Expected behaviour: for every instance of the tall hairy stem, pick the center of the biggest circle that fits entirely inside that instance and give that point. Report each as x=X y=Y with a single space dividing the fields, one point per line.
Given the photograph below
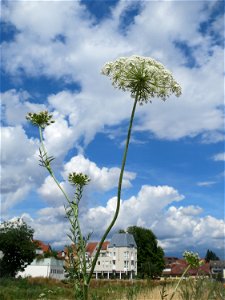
x=68 y=200
x=119 y=190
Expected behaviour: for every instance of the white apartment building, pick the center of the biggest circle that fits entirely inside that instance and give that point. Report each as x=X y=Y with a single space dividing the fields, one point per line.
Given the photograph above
x=117 y=259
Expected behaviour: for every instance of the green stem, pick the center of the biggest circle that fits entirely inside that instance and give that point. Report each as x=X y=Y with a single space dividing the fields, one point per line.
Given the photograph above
x=50 y=170
x=68 y=200
x=119 y=190
x=176 y=287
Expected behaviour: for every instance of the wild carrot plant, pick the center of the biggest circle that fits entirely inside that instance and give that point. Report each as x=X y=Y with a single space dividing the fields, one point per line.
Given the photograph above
x=145 y=79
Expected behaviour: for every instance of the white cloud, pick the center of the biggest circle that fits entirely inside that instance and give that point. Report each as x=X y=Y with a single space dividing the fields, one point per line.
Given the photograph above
x=19 y=168
x=177 y=228
x=219 y=156
x=142 y=209
x=37 y=51
x=206 y=183
x=58 y=137
x=61 y=51
x=15 y=106
x=102 y=180
x=50 y=192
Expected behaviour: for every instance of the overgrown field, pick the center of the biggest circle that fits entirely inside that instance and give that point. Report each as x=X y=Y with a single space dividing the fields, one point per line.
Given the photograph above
x=40 y=288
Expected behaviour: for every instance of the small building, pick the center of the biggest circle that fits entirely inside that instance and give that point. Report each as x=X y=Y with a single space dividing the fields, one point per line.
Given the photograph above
x=217 y=268
x=46 y=267
x=41 y=248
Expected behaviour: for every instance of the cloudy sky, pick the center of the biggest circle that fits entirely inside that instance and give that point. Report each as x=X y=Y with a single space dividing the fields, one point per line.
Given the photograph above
x=52 y=55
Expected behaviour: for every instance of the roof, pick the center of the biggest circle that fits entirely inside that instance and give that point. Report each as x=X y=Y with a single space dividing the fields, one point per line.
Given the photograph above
x=178 y=267
x=42 y=246
x=90 y=248
x=217 y=263
x=51 y=261
x=123 y=240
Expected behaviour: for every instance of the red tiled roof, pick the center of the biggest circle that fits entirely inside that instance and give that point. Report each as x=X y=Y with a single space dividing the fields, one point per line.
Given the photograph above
x=90 y=248
x=42 y=246
x=105 y=245
x=178 y=267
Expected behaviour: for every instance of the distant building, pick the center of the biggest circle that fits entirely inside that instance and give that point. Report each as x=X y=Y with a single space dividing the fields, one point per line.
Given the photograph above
x=46 y=267
x=217 y=268
x=117 y=259
x=175 y=267
x=41 y=248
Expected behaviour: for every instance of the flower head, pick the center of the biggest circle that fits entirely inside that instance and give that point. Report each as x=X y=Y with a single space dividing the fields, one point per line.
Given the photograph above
x=192 y=259
x=41 y=119
x=143 y=77
x=78 y=179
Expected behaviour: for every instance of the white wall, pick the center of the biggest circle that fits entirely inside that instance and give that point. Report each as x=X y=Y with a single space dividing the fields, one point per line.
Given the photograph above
x=48 y=267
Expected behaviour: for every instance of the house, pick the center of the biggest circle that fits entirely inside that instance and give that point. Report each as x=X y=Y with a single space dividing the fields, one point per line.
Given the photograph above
x=46 y=267
x=117 y=258
x=175 y=268
x=41 y=248
x=217 y=268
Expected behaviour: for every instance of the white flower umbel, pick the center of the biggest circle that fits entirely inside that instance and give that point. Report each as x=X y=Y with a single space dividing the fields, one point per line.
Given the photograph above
x=143 y=77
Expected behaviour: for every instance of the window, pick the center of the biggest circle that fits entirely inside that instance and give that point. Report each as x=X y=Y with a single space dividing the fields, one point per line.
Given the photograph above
x=126 y=264
x=99 y=263
x=126 y=255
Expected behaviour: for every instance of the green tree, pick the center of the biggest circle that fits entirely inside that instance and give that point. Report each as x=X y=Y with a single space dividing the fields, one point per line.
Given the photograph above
x=210 y=255
x=17 y=247
x=150 y=256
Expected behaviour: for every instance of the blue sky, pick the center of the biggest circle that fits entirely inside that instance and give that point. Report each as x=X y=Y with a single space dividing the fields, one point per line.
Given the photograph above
x=52 y=55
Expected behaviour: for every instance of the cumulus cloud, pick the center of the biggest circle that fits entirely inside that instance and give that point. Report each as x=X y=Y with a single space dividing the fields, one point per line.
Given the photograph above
x=102 y=180
x=177 y=228
x=189 y=230
x=142 y=209
x=15 y=105
x=219 y=156
x=60 y=52
x=19 y=169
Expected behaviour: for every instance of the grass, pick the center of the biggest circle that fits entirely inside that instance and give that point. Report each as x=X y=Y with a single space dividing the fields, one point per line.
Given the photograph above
x=47 y=289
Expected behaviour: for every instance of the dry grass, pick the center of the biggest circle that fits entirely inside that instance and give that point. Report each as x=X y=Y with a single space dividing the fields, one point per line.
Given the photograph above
x=32 y=288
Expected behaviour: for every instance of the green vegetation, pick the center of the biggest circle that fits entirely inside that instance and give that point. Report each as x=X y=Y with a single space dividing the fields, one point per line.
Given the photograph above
x=210 y=255
x=48 y=289
x=150 y=256
x=16 y=246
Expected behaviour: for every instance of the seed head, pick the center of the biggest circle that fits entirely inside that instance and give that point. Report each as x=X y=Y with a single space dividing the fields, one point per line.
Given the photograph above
x=78 y=179
x=41 y=119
